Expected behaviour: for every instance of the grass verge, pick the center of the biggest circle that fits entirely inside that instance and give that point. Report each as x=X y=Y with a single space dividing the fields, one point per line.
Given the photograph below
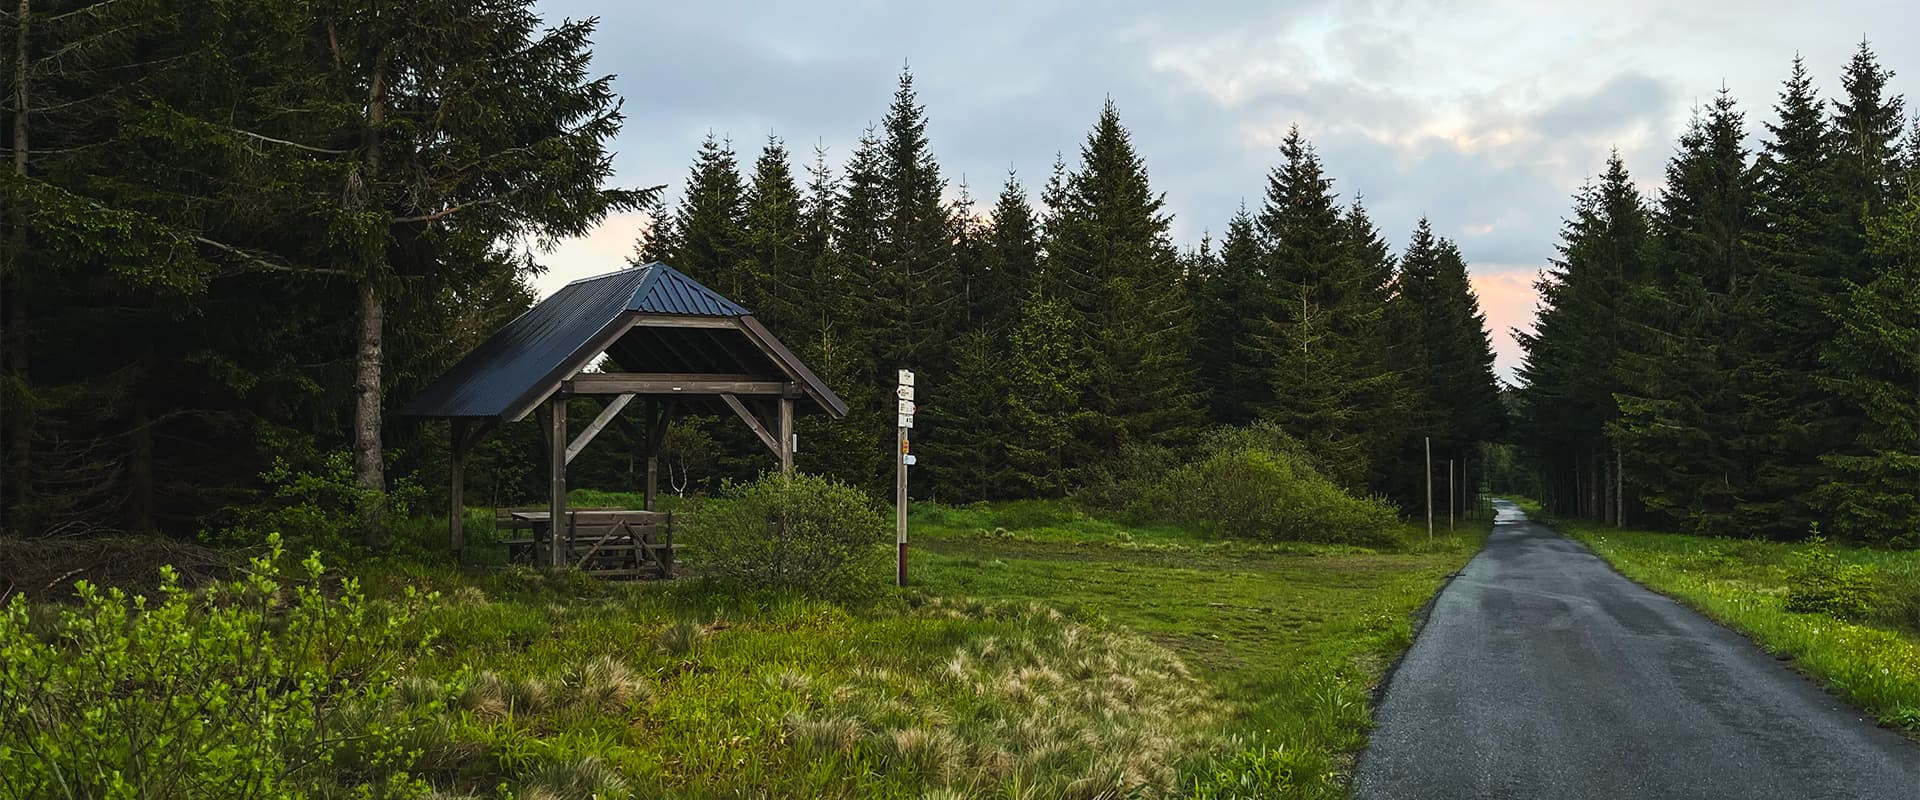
x=1873 y=662
x=1291 y=637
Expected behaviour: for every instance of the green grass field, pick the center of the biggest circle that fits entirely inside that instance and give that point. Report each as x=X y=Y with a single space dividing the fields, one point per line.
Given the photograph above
x=1039 y=653
x=1873 y=661
x=1291 y=637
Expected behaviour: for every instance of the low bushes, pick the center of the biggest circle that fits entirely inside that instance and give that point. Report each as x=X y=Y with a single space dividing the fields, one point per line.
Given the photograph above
x=1819 y=582
x=793 y=532
x=1258 y=483
x=262 y=687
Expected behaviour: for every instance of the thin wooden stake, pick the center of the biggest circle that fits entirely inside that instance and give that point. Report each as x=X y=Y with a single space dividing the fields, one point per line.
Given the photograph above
x=1429 y=441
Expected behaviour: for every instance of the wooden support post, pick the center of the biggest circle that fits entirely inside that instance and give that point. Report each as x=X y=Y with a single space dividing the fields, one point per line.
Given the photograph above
x=650 y=447
x=456 y=503
x=557 y=467
x=1451 y=494
x=786 y=435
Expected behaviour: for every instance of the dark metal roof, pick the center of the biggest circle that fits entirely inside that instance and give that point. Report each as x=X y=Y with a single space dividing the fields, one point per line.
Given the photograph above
x=523 y=363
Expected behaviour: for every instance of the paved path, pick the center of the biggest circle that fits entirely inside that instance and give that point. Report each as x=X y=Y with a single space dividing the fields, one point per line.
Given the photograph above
x=1544 y=674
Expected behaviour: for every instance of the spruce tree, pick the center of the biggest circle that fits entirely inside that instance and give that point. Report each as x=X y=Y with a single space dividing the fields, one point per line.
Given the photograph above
x=1012 y=258
x=772 y=259
x=1229 y=324
x=1379 y=391
x=1324 y=350
x=1047 y=377
x=1680 y=425
x=913 y=269
x=659 y=241
x=1808 y=247
x=1874 y=365
x=708 y=221
x=1867 y=124
x=1110 y=262
x=1572 y=357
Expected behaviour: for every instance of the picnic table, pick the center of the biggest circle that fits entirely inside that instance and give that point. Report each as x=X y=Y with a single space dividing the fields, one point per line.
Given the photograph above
x=604 y=542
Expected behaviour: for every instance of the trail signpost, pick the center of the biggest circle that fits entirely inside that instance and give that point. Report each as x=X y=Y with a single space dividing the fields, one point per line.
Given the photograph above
x=902 y=458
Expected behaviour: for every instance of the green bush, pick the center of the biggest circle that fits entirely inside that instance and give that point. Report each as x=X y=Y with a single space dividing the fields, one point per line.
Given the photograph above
x=792 y=531
x=254 y=688
x=324 y=508
x=1118 y=485
x=1245 y=491
x=1899 y=604
x=1820 y=582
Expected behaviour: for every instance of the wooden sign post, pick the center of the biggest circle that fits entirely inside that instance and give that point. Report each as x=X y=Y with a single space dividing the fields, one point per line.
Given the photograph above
x=902 y=457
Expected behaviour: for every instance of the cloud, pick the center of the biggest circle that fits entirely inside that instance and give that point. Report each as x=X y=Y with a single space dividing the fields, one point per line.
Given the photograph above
x=1484 y=115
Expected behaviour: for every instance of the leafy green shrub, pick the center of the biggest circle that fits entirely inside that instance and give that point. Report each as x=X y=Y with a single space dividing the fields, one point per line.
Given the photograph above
x=1118 y=485
x=253 y=688
x=793 y=531
x=325 y=508
x=1820 y=582
x=1899 y=604
x=1248 y=492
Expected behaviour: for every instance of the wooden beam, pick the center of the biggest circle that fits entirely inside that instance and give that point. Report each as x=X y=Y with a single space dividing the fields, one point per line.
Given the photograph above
x=678 y=321
x=786 y=434
x=598 y=424
x=747 y=416
x=662 y=383
x=557 y=474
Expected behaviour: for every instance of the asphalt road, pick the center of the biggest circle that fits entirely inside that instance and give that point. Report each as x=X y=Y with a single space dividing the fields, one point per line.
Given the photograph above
x=1544 y=674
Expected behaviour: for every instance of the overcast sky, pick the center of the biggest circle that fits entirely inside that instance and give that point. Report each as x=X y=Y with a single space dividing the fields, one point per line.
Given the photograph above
x=1484 y=115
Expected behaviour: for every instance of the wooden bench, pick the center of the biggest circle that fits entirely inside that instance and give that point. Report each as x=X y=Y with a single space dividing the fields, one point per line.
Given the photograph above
x=605 y=543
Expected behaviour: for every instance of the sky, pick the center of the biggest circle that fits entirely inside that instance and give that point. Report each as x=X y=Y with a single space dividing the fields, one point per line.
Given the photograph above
x=1482 y=115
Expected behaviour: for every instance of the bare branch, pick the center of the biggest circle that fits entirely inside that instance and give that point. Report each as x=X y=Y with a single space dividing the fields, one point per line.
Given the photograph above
x=449 y=210
x=306 y=147
x=261 y=263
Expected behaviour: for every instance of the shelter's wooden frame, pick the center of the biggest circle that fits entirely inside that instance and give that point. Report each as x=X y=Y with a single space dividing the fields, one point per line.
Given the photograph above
x=764 y=402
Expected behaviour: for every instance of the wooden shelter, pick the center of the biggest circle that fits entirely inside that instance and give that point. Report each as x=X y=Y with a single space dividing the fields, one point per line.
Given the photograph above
x=647 y=333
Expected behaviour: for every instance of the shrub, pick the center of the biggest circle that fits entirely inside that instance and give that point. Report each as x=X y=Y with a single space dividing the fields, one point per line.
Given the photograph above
x=1899 y=604
x=793 y=531
x=250 y=689
x=1819 y=582
x=1248 y=492
x=325 y=508
x=1118 y=485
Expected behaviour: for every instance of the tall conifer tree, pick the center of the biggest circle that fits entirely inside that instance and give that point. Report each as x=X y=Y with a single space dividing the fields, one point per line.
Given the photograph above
x=1110 y=260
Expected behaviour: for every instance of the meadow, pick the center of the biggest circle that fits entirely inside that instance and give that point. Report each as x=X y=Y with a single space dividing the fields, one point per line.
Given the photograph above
x=1040 y=652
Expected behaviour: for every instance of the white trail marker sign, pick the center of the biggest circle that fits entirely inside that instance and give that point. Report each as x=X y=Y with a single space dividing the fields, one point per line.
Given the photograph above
x=902 y=458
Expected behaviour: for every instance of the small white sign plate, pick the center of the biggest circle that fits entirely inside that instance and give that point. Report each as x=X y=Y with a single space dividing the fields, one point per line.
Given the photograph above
x=906 y=420
x=906 y=406
x=906 y=377
x=908 y=459
x=905 y=392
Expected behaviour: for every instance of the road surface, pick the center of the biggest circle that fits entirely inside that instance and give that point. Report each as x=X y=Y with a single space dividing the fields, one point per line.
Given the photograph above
x=1544 y=674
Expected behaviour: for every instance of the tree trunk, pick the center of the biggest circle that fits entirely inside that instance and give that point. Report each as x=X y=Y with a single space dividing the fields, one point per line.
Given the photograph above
x=368 y=467
x=16 y=465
